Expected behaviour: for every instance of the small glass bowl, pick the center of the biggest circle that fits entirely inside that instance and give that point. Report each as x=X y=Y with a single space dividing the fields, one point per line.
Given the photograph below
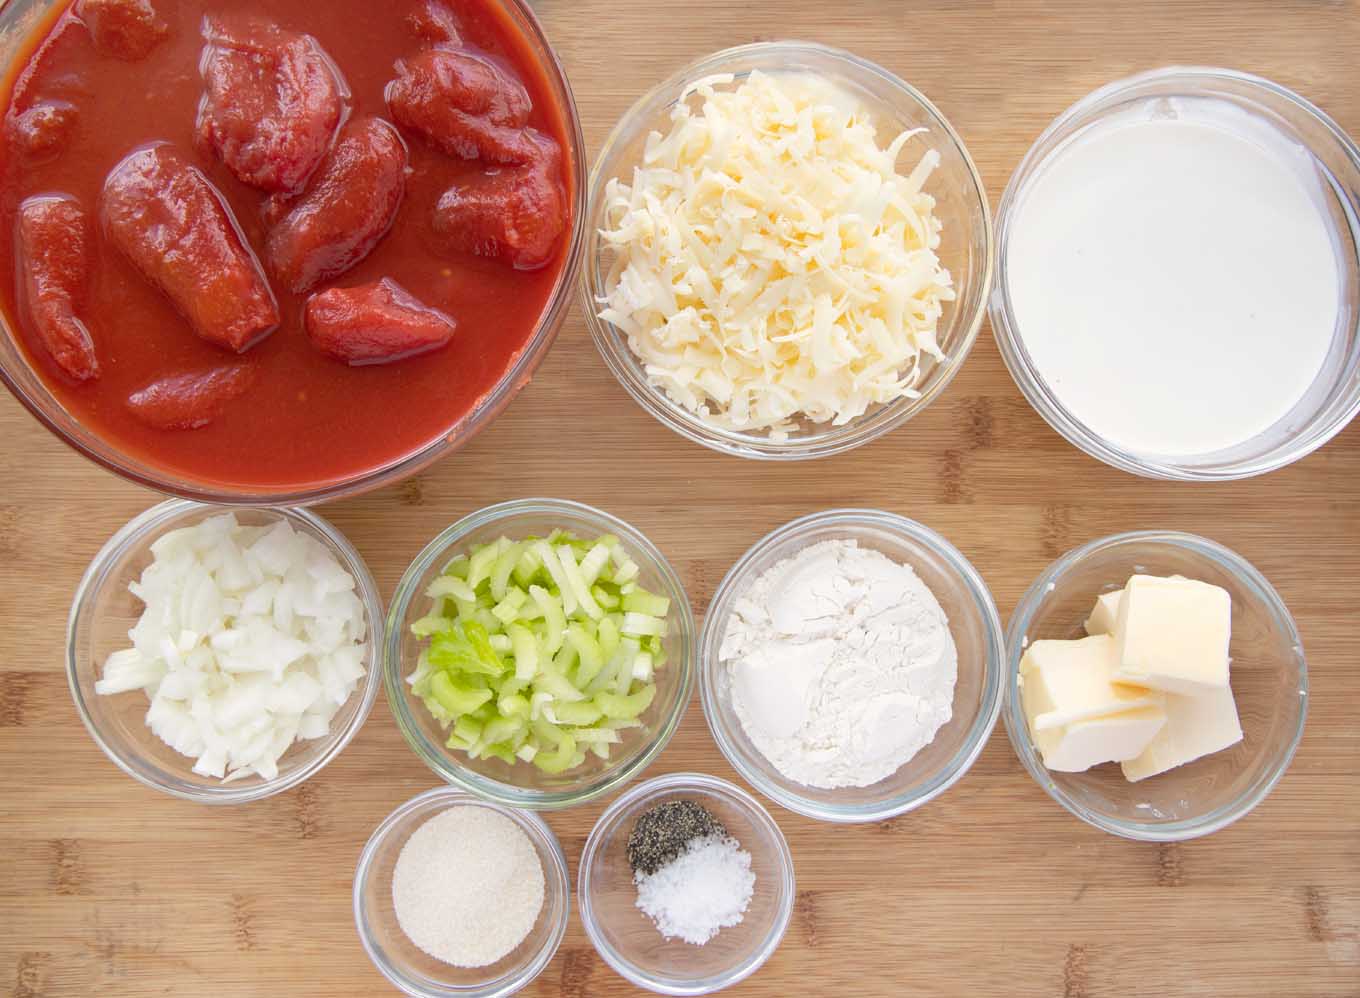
x=411 y=969
x=104 y=611
x=627 y=939
x=524 y=785
x=1334 y=397
x=1269 y=682
x=961 y=204
x=973 y=622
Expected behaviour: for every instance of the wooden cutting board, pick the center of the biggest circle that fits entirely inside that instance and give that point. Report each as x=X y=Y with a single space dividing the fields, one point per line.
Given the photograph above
x=110 y=889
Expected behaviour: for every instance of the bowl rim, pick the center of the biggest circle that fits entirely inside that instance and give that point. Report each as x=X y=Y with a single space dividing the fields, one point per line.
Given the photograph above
x=679 y=783
x=453 y=437
x=1006 y=327
x=394 y=680
x=532 y=825
x=137 y=530
x=618 y=357
x=1017 y=728
x=753 y=769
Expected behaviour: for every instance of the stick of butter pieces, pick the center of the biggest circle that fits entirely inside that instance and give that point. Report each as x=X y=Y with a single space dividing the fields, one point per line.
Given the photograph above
x=1148 y=689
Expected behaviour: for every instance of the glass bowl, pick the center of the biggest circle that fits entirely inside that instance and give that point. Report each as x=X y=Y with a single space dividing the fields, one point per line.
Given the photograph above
x=104 y=611
x=973 y=622
x=965 y=247
x=1334 y=397
x=17 y=20
x=627 y=939
x=1269 y=682
x=411 y=969
x=524 y=785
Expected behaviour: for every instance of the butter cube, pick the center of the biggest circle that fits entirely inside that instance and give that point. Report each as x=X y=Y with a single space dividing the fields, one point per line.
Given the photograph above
x=1195 y=727
x=1172 y=635
x=1112 y=738
x=1105 y=613
x=1069 y=681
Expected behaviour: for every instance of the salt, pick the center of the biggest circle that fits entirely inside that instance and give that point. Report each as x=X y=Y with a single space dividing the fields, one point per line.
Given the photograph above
x=706 y=888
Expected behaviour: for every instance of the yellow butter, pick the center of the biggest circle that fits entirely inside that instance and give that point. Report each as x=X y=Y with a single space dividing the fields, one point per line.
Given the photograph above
x=1172 y=635
x=1105 y=614
x=1195 y=727
x=1077 y=747
x=1070 y=681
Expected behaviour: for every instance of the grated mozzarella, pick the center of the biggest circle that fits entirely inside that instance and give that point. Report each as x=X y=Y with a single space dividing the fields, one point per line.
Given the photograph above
x=251 y=638
x=770 y=263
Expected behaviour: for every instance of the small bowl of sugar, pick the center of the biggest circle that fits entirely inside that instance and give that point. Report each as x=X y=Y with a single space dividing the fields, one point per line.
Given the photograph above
x=686 y=885
x=454 y=896
x=850 y=665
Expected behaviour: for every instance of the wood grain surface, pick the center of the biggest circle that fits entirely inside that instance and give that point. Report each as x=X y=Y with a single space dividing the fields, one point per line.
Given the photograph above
x=107 y=888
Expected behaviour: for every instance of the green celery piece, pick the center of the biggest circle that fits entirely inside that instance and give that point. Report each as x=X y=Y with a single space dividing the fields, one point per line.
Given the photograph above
x=454 y=651
x=614 y=706
x=525 y=650
x=643 y=667
x=547 y=732
x=559 y=686
x=553 y=566
x=620 y=723
x=578 y=758
x=436 y=709
x=457 y=567
x=641 y=625
x=621 y=663
x=420 y=679
x=481 y=563
x=607 y=600
x=455 y=698
x=608 y=636
x=599 y=749
x=592 y=659
x=579 y=714
x=504 y=567
x=560 y=759
x=487 y=620
x=466 y=609
x=431 y=624
x=554 y=617
x=468 y=728
x=458 y=744
x=529 y=566
x=572 y=572
x=501 y=644
x=607 y=736
x=451 y=585
x=503 y=729
x=514 y=705
x=564 y=660
x=502 y=751
x=508 y=609
x=650 y=604
x=594 y=562
x=487 y=711
x=480 y=637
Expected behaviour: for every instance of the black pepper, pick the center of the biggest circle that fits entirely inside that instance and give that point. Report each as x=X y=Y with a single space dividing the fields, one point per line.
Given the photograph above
x=662 y=833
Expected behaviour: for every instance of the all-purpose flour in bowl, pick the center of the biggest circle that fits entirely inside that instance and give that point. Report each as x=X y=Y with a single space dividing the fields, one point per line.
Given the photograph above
x=842 y=665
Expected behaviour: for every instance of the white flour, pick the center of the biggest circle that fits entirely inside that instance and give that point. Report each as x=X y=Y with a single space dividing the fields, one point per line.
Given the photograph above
x=841 y=665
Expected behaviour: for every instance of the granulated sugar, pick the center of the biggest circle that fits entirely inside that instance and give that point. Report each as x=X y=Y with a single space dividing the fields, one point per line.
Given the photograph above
x=704 y=889
x=468 y=886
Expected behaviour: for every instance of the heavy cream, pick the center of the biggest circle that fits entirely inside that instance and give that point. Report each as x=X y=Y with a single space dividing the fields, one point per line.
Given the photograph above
x=1173 y=276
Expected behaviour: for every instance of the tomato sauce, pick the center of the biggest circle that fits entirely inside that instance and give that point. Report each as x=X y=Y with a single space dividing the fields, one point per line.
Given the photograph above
x=306 y=419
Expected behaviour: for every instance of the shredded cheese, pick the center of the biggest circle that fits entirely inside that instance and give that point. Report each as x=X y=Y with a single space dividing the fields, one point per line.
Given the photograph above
x=770 y=263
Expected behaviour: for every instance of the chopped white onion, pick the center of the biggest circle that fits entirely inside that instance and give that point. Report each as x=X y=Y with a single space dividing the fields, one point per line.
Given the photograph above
x=251 y=638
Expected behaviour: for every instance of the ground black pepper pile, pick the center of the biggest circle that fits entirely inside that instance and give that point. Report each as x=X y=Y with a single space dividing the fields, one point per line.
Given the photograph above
x=662 y=834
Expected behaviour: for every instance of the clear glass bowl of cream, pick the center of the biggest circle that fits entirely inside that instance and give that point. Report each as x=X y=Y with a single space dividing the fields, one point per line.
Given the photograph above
x=973 y=624
x=1178 y=275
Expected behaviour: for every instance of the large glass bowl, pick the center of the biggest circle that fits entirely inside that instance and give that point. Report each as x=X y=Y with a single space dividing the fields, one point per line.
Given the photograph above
x=523 y=784
x=1334 y=397
x=411 y=969
x=973 y=622
x=1269 y=683
x=104 y=611
x=607 y=895
x=961 y=204
x=17 y=18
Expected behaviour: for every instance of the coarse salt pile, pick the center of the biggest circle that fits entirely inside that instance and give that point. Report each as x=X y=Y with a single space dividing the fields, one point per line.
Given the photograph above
x=704 y=889
x=468 y=886
x=251 y=638
x=770 y=263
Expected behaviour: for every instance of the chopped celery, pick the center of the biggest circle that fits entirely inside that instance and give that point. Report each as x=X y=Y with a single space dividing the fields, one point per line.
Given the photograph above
x=641 y=601
x=539 y=650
